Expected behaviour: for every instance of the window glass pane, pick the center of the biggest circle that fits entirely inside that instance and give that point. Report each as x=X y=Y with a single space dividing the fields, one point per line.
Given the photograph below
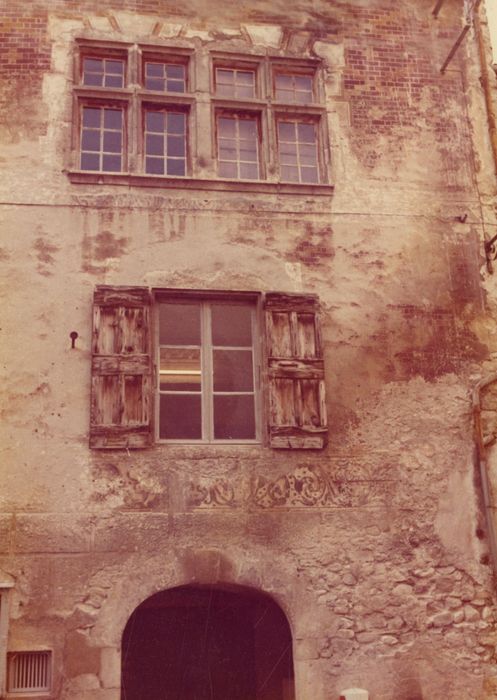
x=113 y=118
x=115 y=67
x=289 y=173
x=175 y=146
x=286 y=131
x=90 y=161
x=248 y=151
x=227 y=127
x=112 y=141
x=225 y=90
x=245 y=77
x=249 y=171
x=90 y=140
x=154 y=121
x=303 y=82
x=179 y=324
x=176 y=72
x=227 y=150
x=155 y=70
x=228 y=169
x=283 y=82
x=175 y=86
x=227 y=77
x=154 y=166
x=175 y=166
x=180 y=369
x=154 y=84
x=309 y=175
x=94 y=79
x=91 y=116
x=233 y=370
x=93 y=65
x=244 y=91
x=234 y=417
x=113 y=81
x=247 y=129
x=306 y=133
x=175 y=123
x=231 y=325
x=180 y=417
x=154 y=144
x=111 y=163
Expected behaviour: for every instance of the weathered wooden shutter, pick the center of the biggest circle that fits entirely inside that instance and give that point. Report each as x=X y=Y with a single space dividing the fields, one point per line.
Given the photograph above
x=297 y=409
x=121 y=402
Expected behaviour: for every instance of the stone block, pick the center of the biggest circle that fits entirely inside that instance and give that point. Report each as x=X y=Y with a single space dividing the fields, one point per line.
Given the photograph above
x=51 y=532
x=110 y=667
x=132 y=532
x=5 y=533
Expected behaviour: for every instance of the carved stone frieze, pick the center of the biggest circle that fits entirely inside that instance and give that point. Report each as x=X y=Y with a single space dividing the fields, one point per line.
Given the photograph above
x=305 y=486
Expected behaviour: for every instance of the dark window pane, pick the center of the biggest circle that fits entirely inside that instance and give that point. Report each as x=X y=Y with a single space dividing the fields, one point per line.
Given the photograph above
x=228 y=169
x=175 y=72
x=226 y=77
x=94 y=65
x=179 y=324
x=154 y=121
x=244 y=91
x=289 y=149
x=303 y=97
x=227 y=127
x=91 y=116
x=233 y=370
x=225 y=90
x=245 y=77
x=306 y=133
x=175 y=146
x=154 y=145
x=112 y=141
x=234 y=418
x=227 y=153
x=175 y=166
x=175 y=86
x=283 y=81
x=180 y=417
x=111 y=163
x=180 y=369
x=247 y=129
x=90 y=140
x=249 y=171
x=309 y=175
x=175 y=123
x=154 y=166
x=248 y=153
x=231 y=325
x=155 y=70
x=154 y=84
x=285 y=95
x=90 y=161
x=289 y=173
x=113 y=81
x=93 y=79
x=303 y=82
x=113 y=118
x=286 y=131
x=288 y=158
x=116 y=67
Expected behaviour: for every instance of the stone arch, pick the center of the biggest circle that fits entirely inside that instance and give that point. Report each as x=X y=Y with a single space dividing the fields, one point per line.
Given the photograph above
x=210 y=641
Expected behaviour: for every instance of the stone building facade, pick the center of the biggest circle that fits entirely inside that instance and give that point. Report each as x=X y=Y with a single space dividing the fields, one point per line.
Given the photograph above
x=284 y=204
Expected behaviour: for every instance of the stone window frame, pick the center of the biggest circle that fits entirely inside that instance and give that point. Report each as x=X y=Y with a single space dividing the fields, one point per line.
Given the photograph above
x=201 y=104
x=4 y=630
x=31 y=690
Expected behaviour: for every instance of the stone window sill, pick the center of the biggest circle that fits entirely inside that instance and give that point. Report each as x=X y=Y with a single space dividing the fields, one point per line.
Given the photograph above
x=80 y=177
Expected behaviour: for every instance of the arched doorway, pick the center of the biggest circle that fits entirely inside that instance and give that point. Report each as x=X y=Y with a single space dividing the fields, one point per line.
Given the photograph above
x=207 y=643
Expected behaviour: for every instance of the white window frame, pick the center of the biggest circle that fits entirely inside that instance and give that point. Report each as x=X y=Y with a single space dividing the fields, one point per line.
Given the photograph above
x=207 y=393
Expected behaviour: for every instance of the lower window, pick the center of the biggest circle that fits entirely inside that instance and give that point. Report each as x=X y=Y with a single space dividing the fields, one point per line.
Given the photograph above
x=207 y=368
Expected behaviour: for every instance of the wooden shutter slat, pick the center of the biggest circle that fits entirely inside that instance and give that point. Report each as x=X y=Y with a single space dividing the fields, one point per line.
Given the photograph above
x=297 y=410
x=121 y=411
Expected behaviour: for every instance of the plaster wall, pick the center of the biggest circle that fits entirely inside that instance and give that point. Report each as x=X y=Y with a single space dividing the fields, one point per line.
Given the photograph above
x=376 y=546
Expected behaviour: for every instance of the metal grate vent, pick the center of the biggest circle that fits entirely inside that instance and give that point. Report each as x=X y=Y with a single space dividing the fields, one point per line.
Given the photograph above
x=29 y=671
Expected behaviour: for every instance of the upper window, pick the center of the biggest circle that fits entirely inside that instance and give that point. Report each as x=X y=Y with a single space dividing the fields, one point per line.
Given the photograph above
x=146 y=111
x=211 y=374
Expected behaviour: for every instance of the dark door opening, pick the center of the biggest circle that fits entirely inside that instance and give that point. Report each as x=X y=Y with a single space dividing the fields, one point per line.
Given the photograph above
x=207 y=643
